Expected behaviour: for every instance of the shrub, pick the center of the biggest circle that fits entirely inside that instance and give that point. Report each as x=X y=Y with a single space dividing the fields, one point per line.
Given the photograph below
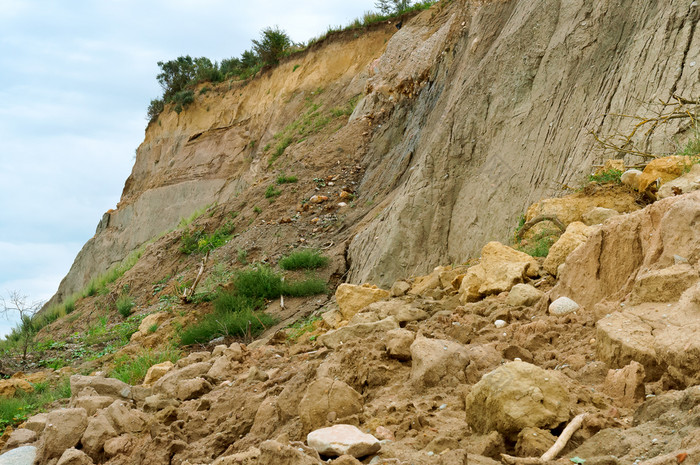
x=69 y=305
x=132 y=370
x=124 y=305
x=304 y=259
x=155 y=108
x=272 y=45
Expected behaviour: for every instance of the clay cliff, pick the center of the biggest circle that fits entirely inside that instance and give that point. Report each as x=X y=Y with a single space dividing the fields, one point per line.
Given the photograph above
x=466 y=115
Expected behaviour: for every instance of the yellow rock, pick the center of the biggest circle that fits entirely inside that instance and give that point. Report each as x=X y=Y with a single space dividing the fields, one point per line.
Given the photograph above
x=611 y=164
x=575 y=235
x=156 y=372
x=501 y=267
x=664 y=169
x=351 y=298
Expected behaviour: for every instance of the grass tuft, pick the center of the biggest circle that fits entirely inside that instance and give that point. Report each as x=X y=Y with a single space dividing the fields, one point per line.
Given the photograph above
x=307 y=259
x=132 y=370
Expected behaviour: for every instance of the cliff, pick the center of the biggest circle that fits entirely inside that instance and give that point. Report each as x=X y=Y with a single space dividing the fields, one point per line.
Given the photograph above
x=466 y=115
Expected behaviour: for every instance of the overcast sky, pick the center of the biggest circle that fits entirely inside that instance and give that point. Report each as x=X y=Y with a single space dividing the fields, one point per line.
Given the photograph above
x=76 y=78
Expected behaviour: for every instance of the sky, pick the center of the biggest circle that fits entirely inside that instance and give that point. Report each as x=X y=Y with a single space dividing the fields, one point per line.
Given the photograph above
x=76 y=78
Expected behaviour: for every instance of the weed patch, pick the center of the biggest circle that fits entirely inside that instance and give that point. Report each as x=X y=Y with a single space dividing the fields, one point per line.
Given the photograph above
x=606 y=177
x=16 y=409
x=308 y=259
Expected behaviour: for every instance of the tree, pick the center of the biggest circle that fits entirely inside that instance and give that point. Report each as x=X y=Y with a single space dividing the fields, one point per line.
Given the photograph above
x=392 y=7
x=19 y=305
x=272 y=45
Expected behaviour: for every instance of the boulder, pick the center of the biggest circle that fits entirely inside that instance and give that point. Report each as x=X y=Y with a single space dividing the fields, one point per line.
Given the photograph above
x=193 y=388
x=630 y=178
x=664 y=285
x=74 y=456
x=103 y=386
x=343 y=440
x=423 y=285
x=21 y=456
x=626 y=384
x=576 y=234
x=398 y=344
x=624 y=337
x=91 y=404
x=273 y=452
x=500 y=268
x=333 y=318
x=224 y=366
x=562 y=306
x=684 y=184
x=514 y=396
x=148 y=322
x=119 y=445
x=168 y=384
x=607 y=265
x=351 y=298
x=399 y=288
x=663 y=169
x=126 y=419
x=194 y=357
x=63 y=430
x=523 y=295
x=324 y=396
x=20 y=437
x=572 y=207
x=598 y=215
x=404 y=312
x=8 y=387
x=436 y=361
x=36 y=422
x=99 y=430
x=157 y=371
x=335 y=338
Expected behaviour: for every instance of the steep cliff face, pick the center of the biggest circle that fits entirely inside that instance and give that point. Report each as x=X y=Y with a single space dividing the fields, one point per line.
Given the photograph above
x=469 y=113
x=505 y=116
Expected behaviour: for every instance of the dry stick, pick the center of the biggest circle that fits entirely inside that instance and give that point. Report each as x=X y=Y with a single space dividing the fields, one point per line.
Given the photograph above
x=553 y=451
x=281 y=300
x=564 y=437
x=190 y=292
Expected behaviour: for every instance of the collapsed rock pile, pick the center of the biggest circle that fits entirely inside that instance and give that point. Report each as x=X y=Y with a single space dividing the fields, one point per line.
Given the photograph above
x=488 y=361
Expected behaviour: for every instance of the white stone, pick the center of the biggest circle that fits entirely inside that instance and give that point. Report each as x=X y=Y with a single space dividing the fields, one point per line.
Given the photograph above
x=340 y=440
x=562 y=306
x=631 y=178
x=20 y=456
x=500 y=323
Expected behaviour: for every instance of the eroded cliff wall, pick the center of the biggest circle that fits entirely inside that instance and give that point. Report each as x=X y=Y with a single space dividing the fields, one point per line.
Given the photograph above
x=470 y=112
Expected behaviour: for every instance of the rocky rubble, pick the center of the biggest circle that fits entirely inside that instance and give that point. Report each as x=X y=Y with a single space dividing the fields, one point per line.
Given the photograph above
x=463 y=364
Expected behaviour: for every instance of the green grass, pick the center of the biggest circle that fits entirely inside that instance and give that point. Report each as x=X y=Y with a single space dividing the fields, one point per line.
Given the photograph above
x=241 y=324
x=124 y=305
x=257 y=210
x=233 y=302
x=691 y=148
x=132 y=370
x=197 y=240
x=14 y=410
x=307 y=259
x=271 y=192
x=310 y=286
x=283 y=179
x=258 y=281
x=609 y=176
x=541 y=243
